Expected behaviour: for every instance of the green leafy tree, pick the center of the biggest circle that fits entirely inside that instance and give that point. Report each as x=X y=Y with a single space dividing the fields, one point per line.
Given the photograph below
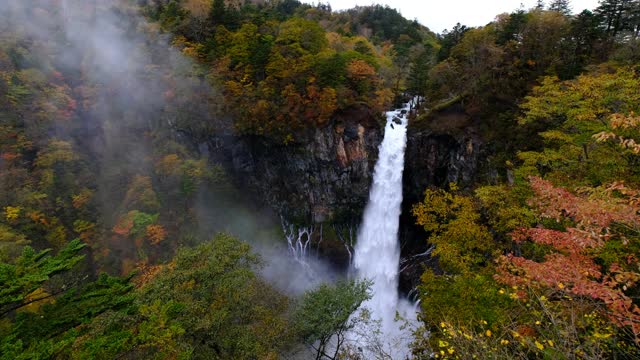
x=326 y=313
x=461 y=242
x=511 y=27
x=588 y=36
x=206 y=303
x=244 y=317
x=217 y=12
x=449 y=39
x=543 y=38
x=570 y=113
x=474 y=59
x=561 y=6
x=30 y=271
x=49 y=327
x=42 y=301
x=305 y=34
x=616 y=14
x=465 y=295
x=421 y=62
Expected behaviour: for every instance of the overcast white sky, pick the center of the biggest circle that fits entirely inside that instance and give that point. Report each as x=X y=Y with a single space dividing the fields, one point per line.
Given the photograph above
x=438 y=15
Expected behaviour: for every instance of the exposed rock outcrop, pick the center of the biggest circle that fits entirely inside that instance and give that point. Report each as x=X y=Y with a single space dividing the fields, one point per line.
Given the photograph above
x=436 y=159
x=324 y=178
x=442 y=148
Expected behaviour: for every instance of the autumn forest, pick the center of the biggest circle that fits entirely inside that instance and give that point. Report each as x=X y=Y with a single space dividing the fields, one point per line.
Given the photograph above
x=186 y=179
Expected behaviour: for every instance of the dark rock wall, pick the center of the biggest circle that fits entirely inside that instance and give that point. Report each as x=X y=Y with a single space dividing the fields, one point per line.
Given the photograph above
x=324 y=178
x=447 y=149
x=434 y=159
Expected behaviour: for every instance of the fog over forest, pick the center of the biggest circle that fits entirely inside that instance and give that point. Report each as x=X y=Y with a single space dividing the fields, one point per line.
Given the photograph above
x=215 y=179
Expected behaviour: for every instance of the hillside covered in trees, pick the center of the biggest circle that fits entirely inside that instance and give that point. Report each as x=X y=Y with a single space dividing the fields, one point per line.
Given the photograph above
x=126 y=230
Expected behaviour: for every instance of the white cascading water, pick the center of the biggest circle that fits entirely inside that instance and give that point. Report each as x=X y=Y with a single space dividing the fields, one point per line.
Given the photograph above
x=377 y=252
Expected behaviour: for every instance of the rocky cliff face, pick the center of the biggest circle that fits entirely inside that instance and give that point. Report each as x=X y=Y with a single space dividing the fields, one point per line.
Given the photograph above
x=442 y=148
x=436 y=159
x=325 y=178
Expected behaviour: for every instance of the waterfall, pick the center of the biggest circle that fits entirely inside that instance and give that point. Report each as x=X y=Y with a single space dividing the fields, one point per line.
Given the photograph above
x=298 y=239
x=377 y=252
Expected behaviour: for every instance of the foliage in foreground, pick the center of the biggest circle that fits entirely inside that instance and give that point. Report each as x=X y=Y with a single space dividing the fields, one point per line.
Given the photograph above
x=559 y=275
x=206 y=303
x=325 y=315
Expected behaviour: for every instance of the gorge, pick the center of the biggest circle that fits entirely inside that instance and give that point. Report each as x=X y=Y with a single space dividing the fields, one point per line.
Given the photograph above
x=218 y=179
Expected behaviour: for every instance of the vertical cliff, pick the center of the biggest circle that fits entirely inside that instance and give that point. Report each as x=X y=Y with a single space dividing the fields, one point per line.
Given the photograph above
x=442 y=147
x=325 y=177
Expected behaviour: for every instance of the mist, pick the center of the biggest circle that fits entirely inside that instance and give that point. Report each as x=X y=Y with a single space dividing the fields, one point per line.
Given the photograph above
x=259 y=226
x=142 y=91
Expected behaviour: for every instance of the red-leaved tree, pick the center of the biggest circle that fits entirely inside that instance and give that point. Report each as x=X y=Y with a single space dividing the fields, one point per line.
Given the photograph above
x=593 y=253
